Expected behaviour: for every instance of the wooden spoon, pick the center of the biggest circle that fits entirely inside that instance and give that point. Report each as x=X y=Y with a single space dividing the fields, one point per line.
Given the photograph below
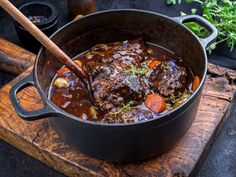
x=47 y=43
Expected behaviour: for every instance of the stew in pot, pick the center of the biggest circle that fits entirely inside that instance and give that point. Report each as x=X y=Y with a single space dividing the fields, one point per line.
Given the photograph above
x=131 y=80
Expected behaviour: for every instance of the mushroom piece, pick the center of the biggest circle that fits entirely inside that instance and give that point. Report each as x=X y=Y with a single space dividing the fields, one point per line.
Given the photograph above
x=61 y=82
x=78 y=62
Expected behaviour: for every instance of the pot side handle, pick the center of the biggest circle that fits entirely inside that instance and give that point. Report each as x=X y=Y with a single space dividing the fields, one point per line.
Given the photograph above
x=206 y=42
x=46 y=111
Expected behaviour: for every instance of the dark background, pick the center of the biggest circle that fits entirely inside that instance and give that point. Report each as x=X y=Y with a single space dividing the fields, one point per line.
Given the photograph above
x=221 y=161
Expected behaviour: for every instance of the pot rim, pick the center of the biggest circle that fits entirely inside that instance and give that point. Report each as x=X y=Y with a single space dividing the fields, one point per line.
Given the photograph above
x=167 y=117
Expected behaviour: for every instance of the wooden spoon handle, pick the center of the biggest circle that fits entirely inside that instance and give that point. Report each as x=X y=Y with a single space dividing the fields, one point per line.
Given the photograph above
x=40 y=36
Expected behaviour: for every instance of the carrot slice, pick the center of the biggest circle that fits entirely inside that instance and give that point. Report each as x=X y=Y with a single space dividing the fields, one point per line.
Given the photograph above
x=196 y=83
x=152 y=64
x=155 y=102
x=63 y=71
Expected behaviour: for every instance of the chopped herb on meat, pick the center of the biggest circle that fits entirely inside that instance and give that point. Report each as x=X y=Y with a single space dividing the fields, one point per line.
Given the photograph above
x=138 y=71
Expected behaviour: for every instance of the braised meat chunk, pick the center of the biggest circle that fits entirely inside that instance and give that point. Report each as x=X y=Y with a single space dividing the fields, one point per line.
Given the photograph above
x=111 y=91
x=125 y=53
x=168 y=78
x=113 y=83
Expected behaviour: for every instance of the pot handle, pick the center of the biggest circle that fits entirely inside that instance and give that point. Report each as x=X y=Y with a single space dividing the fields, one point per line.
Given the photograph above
x=46 y=111
x=206 y=42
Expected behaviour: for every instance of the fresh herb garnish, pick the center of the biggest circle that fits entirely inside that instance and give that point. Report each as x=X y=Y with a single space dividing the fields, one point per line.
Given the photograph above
x=97 y=53
x=222 y=14
x=170 y=99
x=165 y=67
x=138 y=71
x=123 y=108
x=92 y=52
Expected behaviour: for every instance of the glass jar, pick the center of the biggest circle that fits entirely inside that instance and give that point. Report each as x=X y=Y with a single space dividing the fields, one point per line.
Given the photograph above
x=81 y=7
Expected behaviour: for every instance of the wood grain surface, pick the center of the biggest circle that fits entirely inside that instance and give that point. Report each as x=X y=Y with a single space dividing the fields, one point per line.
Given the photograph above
x=13 y=58
x=39 y=140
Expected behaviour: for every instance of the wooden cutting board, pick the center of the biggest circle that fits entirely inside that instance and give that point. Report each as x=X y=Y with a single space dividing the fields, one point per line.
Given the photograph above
x=39 y=140
x=13 y=58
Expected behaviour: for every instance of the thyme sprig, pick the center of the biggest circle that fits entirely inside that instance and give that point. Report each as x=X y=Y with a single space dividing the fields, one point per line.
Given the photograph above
x=123 y=108
x=138 y=71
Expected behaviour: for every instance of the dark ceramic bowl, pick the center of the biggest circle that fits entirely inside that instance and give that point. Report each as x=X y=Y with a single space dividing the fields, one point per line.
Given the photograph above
x=48 y=26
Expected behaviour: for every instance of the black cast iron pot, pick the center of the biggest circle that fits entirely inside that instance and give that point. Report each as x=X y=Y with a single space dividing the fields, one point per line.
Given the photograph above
x=120 y=142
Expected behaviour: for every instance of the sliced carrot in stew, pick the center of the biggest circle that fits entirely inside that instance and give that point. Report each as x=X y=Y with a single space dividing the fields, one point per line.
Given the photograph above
x=155 y=102
x=195 y=83
x=152 y=64
x=63 y=71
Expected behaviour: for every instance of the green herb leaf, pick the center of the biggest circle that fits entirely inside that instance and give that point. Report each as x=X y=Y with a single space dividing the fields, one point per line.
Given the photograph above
x=193 y=11
x=138 y=71
x=92 y=53
x=191 y=1
x=123 y=108
x=222 y=14
x=182 y=13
